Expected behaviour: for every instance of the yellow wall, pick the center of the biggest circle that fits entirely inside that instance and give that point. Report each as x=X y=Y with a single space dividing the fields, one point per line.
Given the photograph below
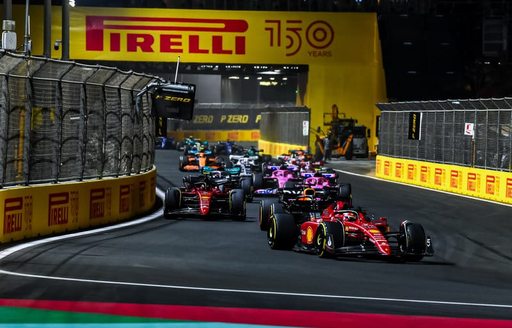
x=276 y=149
x=342 y=50
x=233 y=135
x=39 y=210
x=486 y=184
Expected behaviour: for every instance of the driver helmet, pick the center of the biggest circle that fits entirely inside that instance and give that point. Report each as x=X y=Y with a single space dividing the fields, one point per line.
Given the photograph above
x=309 y=192
x=349 y=216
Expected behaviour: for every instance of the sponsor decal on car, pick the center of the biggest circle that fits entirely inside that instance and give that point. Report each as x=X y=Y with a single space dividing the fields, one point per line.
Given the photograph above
x=309 y=235
x=268 y=191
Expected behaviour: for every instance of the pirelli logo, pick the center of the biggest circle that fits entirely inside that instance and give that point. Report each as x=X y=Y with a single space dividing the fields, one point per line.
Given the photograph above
x=509 y=188
x=455 y=179
x=424 y=174
x=142 y=194
x=492 y=185
x=124 y=199
x=13 y=215
x=411 y=171
x=63 y=208
x=387 y=165
x=473 y=182
x=398 y=170
x=166 y=35
x=97 y=203
x=58 y=209
x=439 y=176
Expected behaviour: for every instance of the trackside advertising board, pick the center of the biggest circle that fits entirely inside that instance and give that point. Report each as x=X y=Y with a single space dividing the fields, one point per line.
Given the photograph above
x=209 y=36
x=486 y=184
x=342 y=50
x=41 y=210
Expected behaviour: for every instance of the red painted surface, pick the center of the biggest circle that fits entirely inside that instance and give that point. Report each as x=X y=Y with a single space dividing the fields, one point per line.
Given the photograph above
x=259 y=316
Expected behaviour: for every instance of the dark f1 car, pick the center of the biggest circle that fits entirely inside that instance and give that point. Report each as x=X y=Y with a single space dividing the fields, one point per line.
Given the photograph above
x=343 y=231
x=205 y=196
x=303 y=202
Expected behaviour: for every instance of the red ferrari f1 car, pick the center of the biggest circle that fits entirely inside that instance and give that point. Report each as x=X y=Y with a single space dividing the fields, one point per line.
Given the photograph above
x=205 y=196
x=344 y=231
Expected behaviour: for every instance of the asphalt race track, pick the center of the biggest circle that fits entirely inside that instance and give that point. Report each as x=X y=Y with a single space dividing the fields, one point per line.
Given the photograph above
x=229 y=264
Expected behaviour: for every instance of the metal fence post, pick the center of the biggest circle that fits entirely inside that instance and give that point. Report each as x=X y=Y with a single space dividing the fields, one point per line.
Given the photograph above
x=85 y=117
x=27 y=117
x=60 y=107
x=119 y=153
x=3 y=137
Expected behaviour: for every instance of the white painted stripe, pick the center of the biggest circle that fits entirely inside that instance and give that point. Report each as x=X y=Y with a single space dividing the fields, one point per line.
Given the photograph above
x=153 y=216
x=256 y=292
x=420 y=187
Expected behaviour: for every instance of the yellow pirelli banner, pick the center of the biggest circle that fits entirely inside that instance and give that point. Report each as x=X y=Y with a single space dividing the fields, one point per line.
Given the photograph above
x=486 y=184
x=232 y=135
x=276 y=149
x=342 y=50
x=208 y=36
x=39 y=210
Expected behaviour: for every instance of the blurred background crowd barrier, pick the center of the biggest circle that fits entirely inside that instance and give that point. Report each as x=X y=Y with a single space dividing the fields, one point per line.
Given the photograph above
x=63 y=121
x=473 y=133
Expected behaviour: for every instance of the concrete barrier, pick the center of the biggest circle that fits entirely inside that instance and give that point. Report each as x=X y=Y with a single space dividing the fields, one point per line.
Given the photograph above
x=480 y=183
x=46 y=209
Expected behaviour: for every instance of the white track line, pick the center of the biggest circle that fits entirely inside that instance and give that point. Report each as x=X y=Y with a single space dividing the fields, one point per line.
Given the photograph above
x=257 y=292
x=420 y=187
x=12 y=250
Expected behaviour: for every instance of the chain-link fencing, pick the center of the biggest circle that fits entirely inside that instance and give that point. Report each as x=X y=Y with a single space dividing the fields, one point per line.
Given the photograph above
x=473 y=133
x=62 y=121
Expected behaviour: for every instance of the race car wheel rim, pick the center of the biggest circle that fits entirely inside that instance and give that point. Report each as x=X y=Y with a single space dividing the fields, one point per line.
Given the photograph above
x=271 y=233
x=320 y=241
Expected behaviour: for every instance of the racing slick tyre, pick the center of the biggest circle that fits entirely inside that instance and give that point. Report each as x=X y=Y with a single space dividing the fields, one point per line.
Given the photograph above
x=345 y=192
x=257 y=180
x=282 y=231
x=237 y=204
x=276 y=207
x=172 y=201
x=329 y=236
x=246 y=184
x=412 y=241
x=265 y=212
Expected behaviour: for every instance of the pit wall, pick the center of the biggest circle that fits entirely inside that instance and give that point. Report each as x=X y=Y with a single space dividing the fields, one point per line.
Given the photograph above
x=480 y=183
x=41 y=210
x=232 y=135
